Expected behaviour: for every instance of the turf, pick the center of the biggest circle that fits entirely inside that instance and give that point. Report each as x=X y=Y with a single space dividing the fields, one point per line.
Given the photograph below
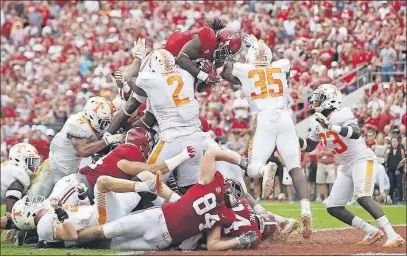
x=321 y=220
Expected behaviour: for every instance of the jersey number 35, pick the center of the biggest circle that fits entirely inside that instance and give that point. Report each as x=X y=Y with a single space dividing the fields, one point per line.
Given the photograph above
x=265 y=79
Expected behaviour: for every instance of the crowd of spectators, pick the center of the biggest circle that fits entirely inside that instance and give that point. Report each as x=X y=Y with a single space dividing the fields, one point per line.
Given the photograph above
x=57 y=54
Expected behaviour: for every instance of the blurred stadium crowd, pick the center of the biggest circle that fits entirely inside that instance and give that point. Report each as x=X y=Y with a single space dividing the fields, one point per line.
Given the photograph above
x=57 y=54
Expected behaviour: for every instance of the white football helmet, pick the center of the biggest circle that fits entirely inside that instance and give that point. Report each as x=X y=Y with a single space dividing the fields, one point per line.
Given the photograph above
x=259 y=54
x=162 y=62
x=99 y=111
x=25 y=156
x=27 y=209
x=326 y=96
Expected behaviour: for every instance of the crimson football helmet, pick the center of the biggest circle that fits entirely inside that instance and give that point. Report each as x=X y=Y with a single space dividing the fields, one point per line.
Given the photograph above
x=267 y=225
x=140 y=138
x=233 y=193
x=229 y=43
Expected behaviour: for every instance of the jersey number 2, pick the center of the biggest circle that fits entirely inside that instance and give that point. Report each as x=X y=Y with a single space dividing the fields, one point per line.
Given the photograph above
x=336 y=140
x=175 y=96
x=266 y=78
x=202 y=206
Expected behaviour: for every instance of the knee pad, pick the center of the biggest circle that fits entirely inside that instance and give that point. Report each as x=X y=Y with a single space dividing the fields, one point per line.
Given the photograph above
x=292 y=161
x=253 y=169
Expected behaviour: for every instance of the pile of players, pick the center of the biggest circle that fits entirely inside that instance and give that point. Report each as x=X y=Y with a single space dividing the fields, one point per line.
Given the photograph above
x=109 y=184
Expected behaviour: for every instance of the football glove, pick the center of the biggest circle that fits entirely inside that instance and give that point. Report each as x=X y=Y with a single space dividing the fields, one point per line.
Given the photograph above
x=322 y=120
x=246 y=239
x=140 y=49
x=111 y=139
x=249 y=40
x=61 y=214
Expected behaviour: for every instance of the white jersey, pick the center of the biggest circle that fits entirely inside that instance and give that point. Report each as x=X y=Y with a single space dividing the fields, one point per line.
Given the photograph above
x=347 y=151
x=10 y=174
x=63 y=154
x=80 y=217
x=171 y=100
x=264 y=87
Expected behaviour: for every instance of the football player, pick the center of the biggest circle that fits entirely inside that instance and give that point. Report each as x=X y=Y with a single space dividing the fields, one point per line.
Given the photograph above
x=206 y=204
x=16 y=176
x=125 y=161
x=338 y=129
x=265 y=86
x=81 y=136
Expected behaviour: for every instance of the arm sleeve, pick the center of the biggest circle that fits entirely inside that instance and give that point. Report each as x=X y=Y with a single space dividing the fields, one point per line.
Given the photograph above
x=76 y=130
x=21 y=176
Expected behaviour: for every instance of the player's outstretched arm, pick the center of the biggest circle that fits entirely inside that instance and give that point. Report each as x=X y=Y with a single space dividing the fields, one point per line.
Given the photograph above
x=307 y=145
x=84 y=148
x=66 y=232
x=110 y=184
x=216 y=243
x=208 y=168
x=124 y=114
x=227 y=74
x=134 y=168
x=147 y=121
x=139 y=52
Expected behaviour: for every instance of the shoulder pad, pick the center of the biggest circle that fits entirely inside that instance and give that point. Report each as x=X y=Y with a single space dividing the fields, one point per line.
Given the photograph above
x=342 y=115
x=76 y=130
x=21 y=176
x=283 y=64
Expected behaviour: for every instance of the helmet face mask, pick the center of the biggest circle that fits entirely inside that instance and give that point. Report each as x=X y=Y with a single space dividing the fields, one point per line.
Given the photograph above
x=229 y=44
x=140 y=138
x=99 y=111
x=26 y=209
x=326 y=97
x=25 y=156
x=234 y=193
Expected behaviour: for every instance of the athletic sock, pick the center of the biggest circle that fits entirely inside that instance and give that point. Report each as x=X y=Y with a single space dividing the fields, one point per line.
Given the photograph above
x=384 y=223
x=305 y=206
x=174 y=197
x=363 y=225
x=279 y=219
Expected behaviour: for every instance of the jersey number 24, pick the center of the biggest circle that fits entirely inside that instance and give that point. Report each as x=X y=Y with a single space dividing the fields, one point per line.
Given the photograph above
x=265 y=79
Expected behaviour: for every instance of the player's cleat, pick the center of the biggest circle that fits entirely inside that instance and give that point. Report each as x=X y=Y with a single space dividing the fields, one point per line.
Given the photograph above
x=159 y=181
x=287 y=227
x=395 y=241
x=306 y=220
x=371 y=238
x=268 y=179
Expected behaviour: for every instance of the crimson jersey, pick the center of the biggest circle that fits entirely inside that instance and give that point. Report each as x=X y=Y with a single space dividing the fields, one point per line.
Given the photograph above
x=245 y=221
x=107 y=165
x=201 y=208
x=206 y=35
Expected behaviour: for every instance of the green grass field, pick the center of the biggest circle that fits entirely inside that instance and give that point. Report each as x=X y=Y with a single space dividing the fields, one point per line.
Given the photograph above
x=321 y=220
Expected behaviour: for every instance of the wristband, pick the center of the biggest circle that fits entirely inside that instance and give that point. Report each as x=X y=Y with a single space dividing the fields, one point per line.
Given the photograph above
x=126 y=88
x=202 y=76
x=336 y=128
x=304 y=144
x=14 y=193
x=350 y=132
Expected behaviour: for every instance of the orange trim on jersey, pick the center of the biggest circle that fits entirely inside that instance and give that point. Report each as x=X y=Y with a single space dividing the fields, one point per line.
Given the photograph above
x=102 y=208
x=369 y=176
x=249 y=154
x=88 y=122
x=156 y=152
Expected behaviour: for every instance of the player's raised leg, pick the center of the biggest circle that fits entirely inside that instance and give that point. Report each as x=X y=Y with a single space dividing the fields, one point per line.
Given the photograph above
x=261 y=147
x=363 y=174
x=342 y=192
x=289 y=149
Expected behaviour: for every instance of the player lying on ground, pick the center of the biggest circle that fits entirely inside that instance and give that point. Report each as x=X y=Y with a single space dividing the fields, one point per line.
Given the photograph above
x=338 y=129
x=81 y=136
x=265 y=86
x=16 y=176
x=206 y=204
x=125 y=161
